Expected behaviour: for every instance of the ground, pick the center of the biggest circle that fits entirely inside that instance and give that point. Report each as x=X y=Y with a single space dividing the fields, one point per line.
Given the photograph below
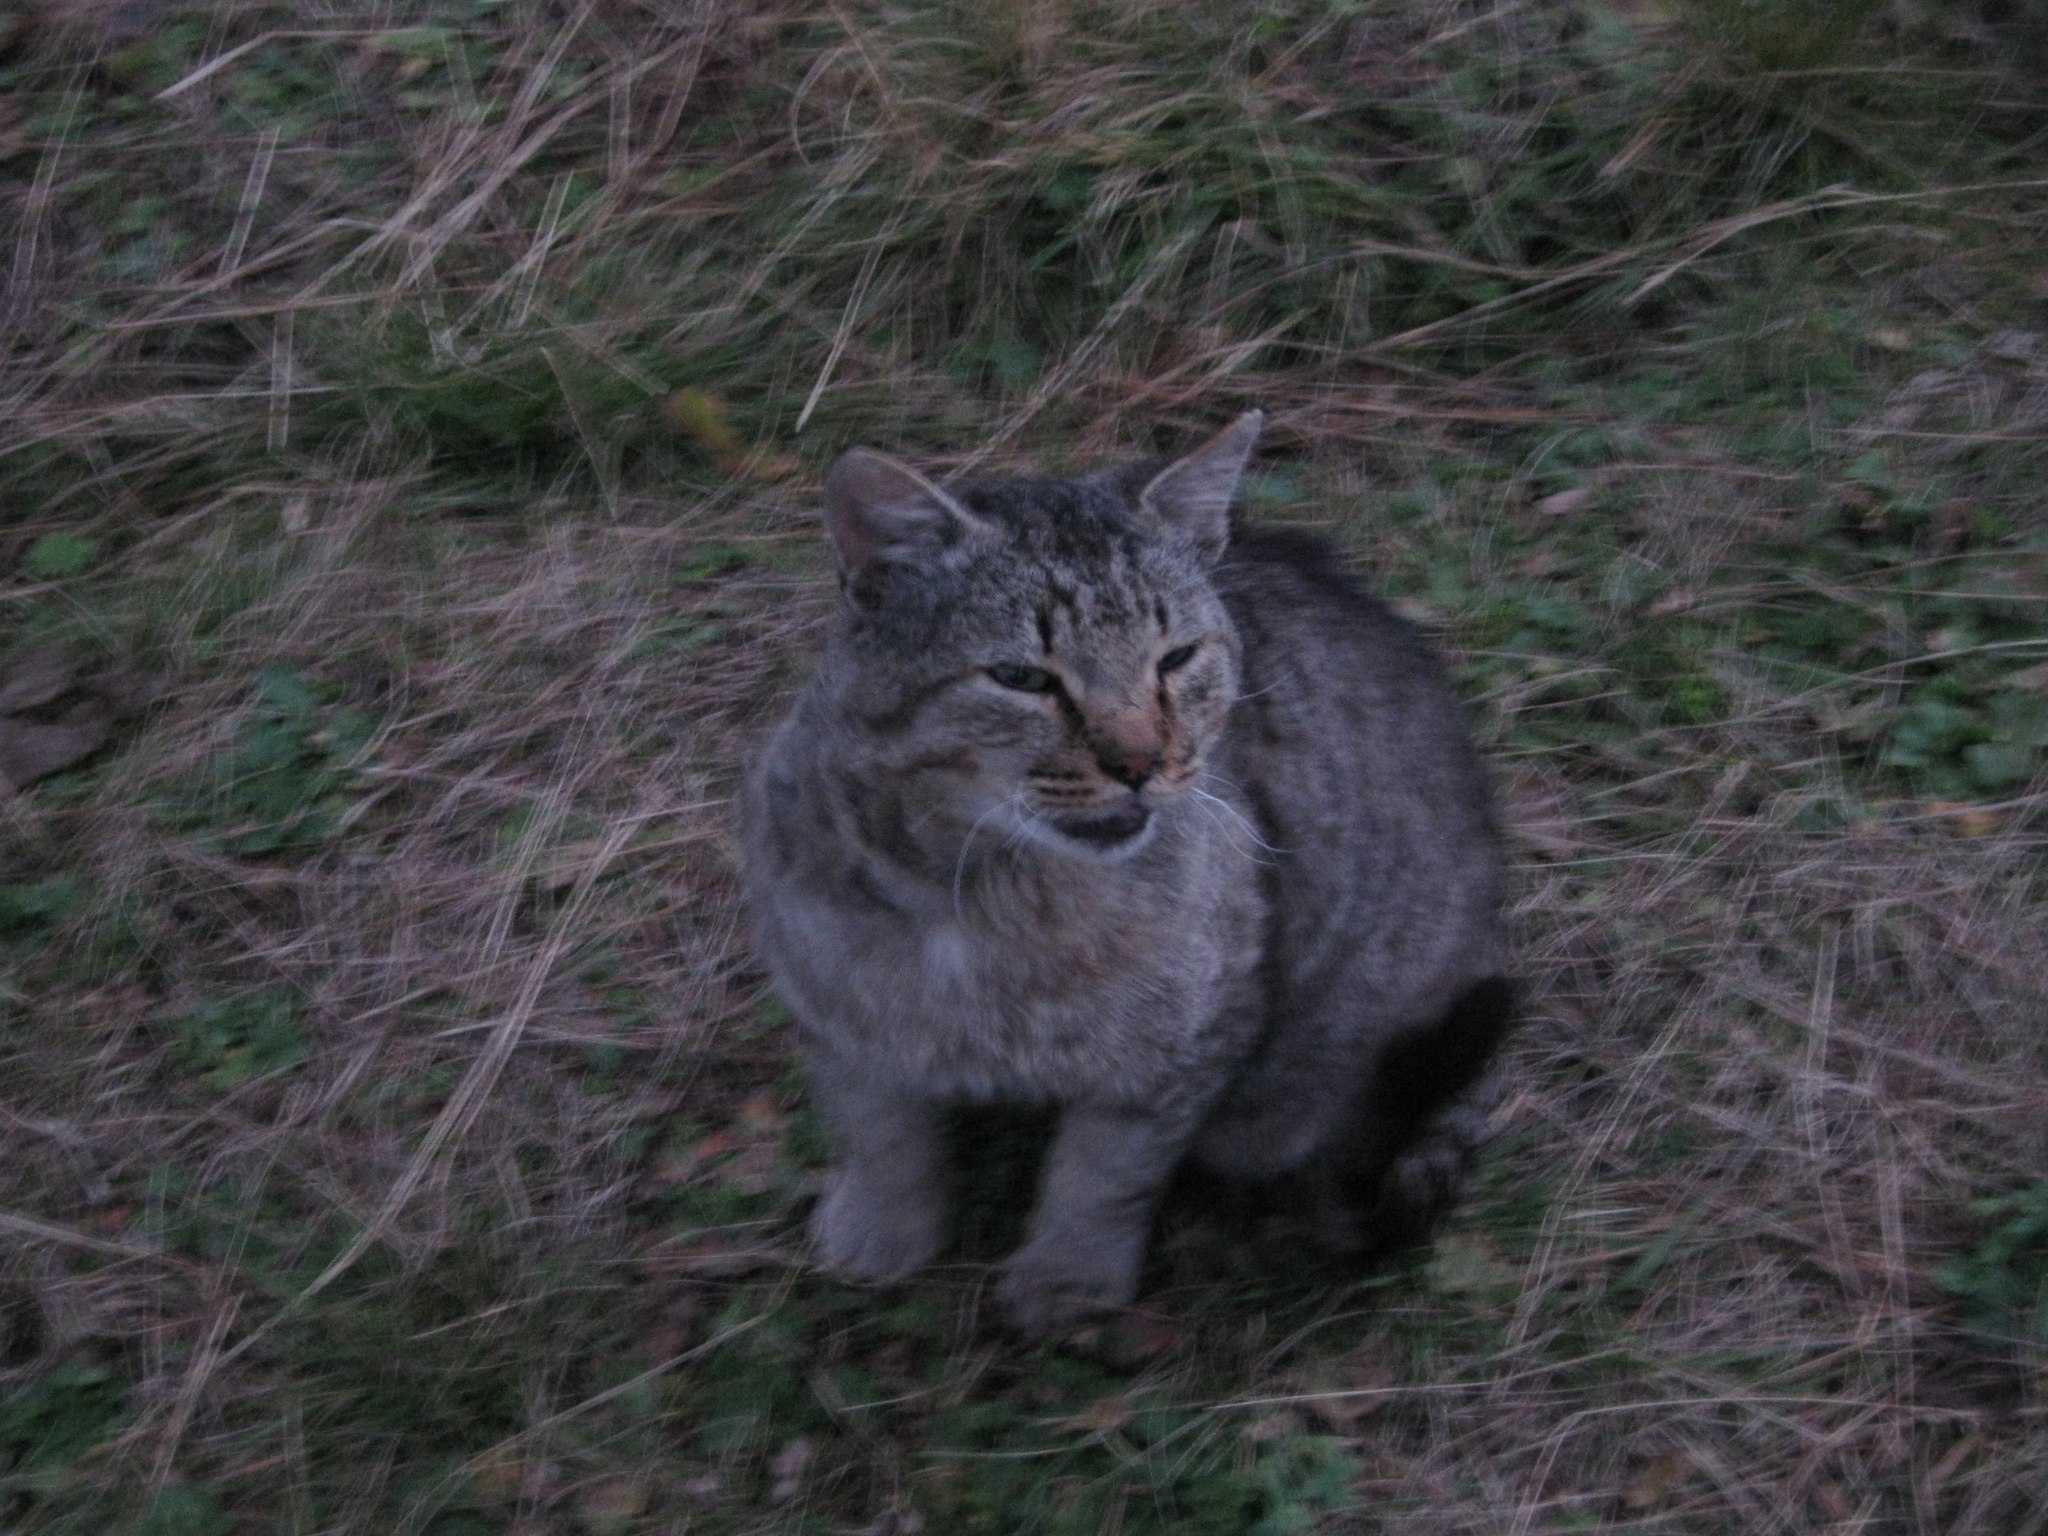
x=408 y=462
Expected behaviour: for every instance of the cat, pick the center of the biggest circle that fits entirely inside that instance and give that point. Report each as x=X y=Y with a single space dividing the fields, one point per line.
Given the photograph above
x=1092 y=802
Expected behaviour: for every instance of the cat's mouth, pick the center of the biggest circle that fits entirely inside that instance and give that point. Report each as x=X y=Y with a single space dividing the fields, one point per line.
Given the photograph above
x=1107 y=829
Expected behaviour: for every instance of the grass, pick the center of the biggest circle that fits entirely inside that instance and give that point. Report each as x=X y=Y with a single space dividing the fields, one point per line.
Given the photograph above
x=395 y=1135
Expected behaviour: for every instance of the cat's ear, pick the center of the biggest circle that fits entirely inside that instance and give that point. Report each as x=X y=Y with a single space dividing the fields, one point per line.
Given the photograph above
x=874 y=504
x=1191 y=496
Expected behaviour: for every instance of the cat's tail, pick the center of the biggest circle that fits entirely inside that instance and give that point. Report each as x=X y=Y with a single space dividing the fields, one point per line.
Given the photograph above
x=1423 y=1122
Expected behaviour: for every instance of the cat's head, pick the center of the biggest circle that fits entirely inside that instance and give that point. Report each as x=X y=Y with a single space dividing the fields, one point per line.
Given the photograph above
x=1044 y=658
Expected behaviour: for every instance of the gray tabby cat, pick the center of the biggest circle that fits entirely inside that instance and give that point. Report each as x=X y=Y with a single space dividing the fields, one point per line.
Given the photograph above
x=1092 y=803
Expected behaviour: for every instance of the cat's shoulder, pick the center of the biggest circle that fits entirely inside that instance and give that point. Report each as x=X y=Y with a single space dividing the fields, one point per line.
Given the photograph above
x=1294 y=556
x=1281 y=570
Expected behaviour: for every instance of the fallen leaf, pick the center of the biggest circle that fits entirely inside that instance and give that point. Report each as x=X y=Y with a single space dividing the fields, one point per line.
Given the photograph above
x=770 y=467
x=681 y=1164
x=675 y=1327
x=1552 y=840
x=1469 y=1264
x=1965 y=820
x=1419 y=610
x=700 y=416
x=788 y=1467
x=1272 y=1428
x=2014 y=346
x=1834 y=1503
x=612 y=1504
x=1563 y=503
x=1952 y=1460
x=1133 y=1338
x=1104 y=1416
x=1645 y=13
x=898 y=1520
x=29 y=751
x=1661 y=1477
x=72 y=717
x=571 y=864
x=1541 y=816
x=34 y=677
x=1675 y=600
x=125 y=693
x=759 y=1115
x=711 y=1256
x=1342 y=1393
x=1953 y=522
x=756 y=1169
x=1343 y=1409
x=497 y=1475
x=1644 y=139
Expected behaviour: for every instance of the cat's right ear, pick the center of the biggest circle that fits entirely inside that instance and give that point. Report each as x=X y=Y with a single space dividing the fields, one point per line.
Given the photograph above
x=875 y=505
x=1191 y=497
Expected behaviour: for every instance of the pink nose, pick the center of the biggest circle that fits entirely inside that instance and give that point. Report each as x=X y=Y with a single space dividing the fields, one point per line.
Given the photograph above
x=1128 y=765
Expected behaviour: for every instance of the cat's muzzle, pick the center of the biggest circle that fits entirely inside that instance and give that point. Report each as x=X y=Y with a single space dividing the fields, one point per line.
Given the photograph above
x=1108 y=829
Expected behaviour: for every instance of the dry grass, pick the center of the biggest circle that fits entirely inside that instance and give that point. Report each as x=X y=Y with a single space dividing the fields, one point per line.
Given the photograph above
x=394 y=1134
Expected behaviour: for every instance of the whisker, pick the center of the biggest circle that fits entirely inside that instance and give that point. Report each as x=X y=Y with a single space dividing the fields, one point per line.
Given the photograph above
x=1021 y=833
x=1227 y=809
x=960 y=864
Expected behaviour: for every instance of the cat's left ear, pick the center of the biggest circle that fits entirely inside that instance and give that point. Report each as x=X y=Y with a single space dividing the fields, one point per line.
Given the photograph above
x=1191 y=496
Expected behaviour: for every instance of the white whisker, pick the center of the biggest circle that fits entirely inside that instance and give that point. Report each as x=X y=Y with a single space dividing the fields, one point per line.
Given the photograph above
x=1211 y=776
x=1027 y=824
x=1219 y=804
x=960 y=864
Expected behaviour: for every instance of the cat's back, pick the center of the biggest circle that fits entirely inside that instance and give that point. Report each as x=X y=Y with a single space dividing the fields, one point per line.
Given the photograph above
x=1330 y=668
x=1351 y=747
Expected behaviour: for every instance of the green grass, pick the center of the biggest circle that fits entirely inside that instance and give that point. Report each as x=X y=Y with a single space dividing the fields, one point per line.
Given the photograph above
x=394 y=1135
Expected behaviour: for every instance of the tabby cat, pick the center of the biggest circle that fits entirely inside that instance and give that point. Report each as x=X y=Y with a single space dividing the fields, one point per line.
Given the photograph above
x=1096 y=803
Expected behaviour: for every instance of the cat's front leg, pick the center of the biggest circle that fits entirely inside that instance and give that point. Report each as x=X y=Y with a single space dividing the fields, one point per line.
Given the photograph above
x=883 y=1214
x=1103 y=1178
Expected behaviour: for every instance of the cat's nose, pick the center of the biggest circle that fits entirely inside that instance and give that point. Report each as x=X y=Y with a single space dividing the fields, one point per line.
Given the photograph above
x=1130 y=766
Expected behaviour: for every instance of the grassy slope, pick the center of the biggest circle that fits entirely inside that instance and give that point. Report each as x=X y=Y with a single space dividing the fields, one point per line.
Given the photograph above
x=392 y=1134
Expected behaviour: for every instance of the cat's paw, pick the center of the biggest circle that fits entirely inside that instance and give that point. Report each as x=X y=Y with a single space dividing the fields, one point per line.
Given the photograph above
x=862 y=1233
x=1041 y=1294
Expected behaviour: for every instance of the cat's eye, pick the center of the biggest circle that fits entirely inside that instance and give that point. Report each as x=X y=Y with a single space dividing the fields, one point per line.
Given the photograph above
x=1024 y=679
x=1176 y=658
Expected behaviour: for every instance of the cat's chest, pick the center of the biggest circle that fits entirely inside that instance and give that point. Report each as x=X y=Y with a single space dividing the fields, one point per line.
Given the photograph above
x=1088 y=994
x=949 y=960
x=1029 y=974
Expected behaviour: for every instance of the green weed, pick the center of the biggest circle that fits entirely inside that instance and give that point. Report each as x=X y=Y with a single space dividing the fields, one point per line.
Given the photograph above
x=182 y=1510
x=2003 y=1281
x=226 y=1042
x=1781 y=34
x=29 y=913
x=1958 y=744
x=285 y=784
x=52 y=1420
x=56 y=556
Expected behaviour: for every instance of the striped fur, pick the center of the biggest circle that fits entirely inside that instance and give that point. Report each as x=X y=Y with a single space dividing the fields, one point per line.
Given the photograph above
x=1093 y=802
